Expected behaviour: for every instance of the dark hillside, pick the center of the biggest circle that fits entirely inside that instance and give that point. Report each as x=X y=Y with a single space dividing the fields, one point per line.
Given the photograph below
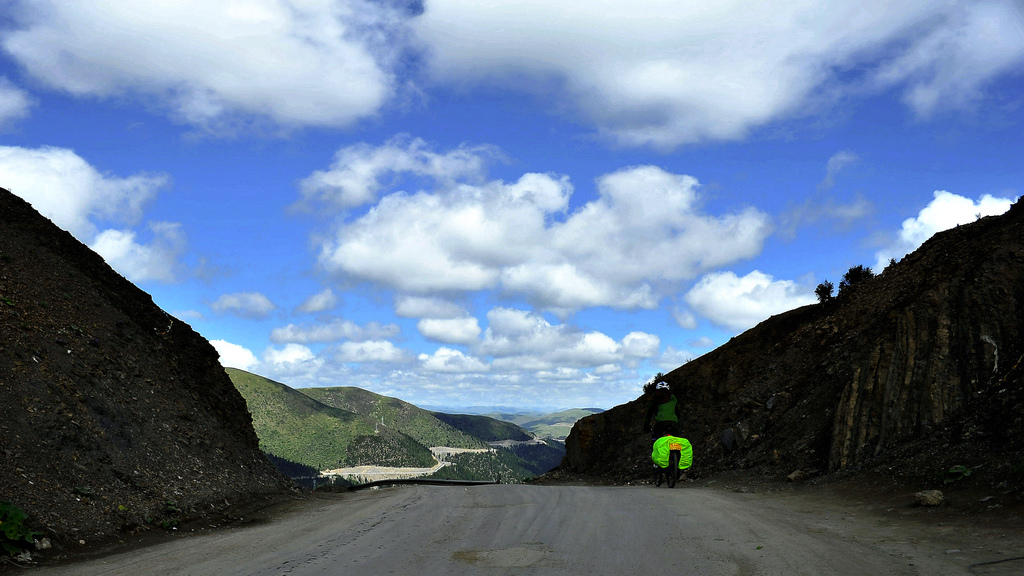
x=483 y=427
x=919 y=358
x=111 y=408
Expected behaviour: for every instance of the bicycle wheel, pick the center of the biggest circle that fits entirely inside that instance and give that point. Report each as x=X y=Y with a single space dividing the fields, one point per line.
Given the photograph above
x=673 y=468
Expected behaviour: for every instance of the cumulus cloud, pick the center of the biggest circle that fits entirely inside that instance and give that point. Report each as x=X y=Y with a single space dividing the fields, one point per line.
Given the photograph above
x=333 y=331
x=141 y=262
x=644 y=230
x=15 y=103
x=640 y=345
x=253 y=305
x=289 y=354
x=422 y=307
x=234 y=356
x=673 y=358
x=380 y=351
x=450 y=330
x=319 y=302
x=945 y=211
x=451 y=361
x=354 y=177
x=739 y=303
x=522 y=340
x=65 y=188
x=296 y=63
x=684 y=318
x=666 y=73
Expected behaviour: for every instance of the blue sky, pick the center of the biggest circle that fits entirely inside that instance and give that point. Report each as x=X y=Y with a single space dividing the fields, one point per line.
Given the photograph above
x=530 y=204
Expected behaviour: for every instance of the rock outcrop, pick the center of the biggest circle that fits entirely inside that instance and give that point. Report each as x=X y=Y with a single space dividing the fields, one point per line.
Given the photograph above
x=116 y=416
x=836 y=386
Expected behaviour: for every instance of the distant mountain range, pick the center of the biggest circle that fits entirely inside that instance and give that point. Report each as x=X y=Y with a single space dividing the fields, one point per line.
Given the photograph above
x=348 y=427
x=555 y=426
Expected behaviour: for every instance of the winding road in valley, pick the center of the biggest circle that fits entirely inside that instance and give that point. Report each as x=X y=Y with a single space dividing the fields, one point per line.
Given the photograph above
x=569 y=530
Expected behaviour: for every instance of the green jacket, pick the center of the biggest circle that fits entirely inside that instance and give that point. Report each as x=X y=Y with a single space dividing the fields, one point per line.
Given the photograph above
x=668 y=411
x=663 y=445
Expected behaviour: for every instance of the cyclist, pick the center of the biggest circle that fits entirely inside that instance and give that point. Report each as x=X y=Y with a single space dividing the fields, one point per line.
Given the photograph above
x=665 y=409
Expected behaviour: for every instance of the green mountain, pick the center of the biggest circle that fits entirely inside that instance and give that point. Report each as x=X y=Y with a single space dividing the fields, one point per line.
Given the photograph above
x=343 y=427
x=420 y=425
x=298 y=428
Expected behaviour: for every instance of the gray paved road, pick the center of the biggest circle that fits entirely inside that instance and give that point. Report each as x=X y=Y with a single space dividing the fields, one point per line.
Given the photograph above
x=566 y=530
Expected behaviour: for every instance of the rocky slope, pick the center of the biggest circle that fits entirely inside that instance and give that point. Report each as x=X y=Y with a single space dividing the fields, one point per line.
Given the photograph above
x=116 y=416
x=912 y=372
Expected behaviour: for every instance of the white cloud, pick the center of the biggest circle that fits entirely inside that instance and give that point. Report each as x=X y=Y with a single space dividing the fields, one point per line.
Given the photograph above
x=244 y=304
x=949 y=64
x=421 y=307
x=142 y=262
x=457 y=240
x=641 y=345
x=740 y=303
x=324 y=63
x=562 y=373
x=684 y=318
x=193 y=315
x=333 y=331
x=450 y=330
x=234 y=356
x=354 y=177
x=14 y=102
x=452 y=361
x=319 y=302
x=702 y=342
x=673 y=358
x=665 y=73
x=644 y=232
x=381 y=351
x=290 y=354
x=521 y=340
x=945 y=211
x=835 y=164
x=66 y=189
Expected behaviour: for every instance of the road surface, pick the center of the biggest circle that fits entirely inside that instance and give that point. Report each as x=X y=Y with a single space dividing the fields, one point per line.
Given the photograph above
x=568 y=530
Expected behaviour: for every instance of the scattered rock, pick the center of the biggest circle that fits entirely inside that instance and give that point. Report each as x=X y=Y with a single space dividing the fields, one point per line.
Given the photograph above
x=796 y=476
x=929 y=497
x=728 y=439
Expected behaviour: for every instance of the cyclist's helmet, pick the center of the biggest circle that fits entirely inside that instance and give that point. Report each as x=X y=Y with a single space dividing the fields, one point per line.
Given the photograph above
x=661 y=386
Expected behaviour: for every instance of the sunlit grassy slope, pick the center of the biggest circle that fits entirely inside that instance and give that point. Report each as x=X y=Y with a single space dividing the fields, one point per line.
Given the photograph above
x=296 y=427
x=421 y=425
